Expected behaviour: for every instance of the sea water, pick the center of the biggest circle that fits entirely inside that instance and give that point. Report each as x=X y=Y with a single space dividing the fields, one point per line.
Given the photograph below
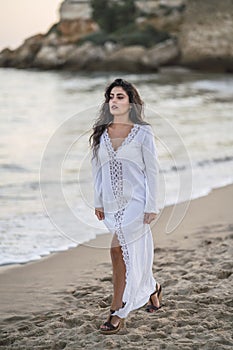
x=46 y=194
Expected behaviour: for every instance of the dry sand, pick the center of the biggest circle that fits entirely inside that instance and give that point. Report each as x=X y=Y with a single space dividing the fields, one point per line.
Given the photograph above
x=60 y=301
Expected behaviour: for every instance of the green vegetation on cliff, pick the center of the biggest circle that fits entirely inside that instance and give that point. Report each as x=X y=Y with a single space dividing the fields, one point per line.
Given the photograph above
x=117 y=22
x=128 y=36
x=113 y=15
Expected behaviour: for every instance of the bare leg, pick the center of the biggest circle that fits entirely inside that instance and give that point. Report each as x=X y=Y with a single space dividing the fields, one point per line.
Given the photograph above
x=119 y=270
x=155 y=299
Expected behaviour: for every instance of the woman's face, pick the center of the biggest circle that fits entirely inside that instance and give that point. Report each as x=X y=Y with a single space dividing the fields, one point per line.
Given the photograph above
x=119 y=101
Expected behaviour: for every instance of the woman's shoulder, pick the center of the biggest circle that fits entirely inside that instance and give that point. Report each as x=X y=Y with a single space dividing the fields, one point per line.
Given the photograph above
x=146 y=129
x=145 y=126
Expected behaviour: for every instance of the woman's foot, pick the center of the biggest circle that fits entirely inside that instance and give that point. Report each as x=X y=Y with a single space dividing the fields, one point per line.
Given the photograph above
x=154 y=303
x=113 y=325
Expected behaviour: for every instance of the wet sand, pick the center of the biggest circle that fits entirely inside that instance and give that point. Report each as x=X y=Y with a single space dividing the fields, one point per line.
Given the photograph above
x=60 y=301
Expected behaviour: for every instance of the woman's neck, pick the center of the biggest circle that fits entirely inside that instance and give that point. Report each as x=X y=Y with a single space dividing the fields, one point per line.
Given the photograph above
x=124 y=121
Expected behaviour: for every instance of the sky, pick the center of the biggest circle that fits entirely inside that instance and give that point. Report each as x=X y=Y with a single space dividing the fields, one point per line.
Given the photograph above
x=20 y=19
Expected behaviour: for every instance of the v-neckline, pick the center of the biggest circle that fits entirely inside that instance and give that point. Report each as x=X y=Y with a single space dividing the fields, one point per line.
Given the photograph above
x=123 y=142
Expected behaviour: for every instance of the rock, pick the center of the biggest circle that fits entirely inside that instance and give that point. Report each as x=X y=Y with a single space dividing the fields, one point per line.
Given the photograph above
x=131 y=58
x=170 y=24
x=92 y=57
x=201 y=37
x=24 y=55
x=206 y=35
x=27 y=52
x=58 y=49
x=72 y=31
x=76 y=9
x=162 y=15
x=73 y=9
x=155 y=7
x=52 y=39
x=110 y=46
x=164 y=53
x=86 y=57
x=47 y=58
x=6 y=57
x=51 y=57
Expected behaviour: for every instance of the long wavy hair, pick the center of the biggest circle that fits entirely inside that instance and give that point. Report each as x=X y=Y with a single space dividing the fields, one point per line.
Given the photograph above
x=105 y=118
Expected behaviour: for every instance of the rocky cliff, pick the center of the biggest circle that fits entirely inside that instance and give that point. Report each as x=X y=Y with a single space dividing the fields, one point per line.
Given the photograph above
x=206 y=35
x=198 y=35
x=75 y=9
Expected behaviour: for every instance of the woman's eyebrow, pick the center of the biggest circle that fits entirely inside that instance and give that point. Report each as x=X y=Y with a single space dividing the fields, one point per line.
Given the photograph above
x=118 y=94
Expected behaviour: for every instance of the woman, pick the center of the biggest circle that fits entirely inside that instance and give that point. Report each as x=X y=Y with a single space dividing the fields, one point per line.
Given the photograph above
x=125 y=174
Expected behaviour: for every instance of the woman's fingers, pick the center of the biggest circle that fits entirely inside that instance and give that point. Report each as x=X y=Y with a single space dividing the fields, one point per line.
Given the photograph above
x=101 y=215
x=148 y=217
x=99 y=212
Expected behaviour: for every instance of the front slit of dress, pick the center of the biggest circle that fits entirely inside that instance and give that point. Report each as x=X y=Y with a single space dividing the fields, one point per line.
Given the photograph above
x=116 y=174
x=134 y=237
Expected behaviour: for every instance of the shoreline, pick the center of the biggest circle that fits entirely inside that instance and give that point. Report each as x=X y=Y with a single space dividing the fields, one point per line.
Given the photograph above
x=5 y=267
x=61 y=300
x=103 y=241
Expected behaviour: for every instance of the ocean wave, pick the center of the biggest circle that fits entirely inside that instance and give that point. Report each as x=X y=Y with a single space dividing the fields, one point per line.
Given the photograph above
x=199 y=163
x=14 y=168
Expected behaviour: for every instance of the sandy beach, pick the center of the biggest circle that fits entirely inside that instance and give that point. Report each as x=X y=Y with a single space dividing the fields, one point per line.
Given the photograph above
x=60 y=301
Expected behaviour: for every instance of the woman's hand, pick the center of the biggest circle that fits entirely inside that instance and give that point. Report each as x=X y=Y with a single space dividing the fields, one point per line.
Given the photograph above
x=148 y=217
x=99 y=212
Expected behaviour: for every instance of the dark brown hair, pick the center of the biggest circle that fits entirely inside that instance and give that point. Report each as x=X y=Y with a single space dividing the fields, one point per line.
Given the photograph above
x=106 y=118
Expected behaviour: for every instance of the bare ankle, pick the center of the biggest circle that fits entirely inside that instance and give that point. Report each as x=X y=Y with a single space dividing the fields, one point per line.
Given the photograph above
x=115 y=307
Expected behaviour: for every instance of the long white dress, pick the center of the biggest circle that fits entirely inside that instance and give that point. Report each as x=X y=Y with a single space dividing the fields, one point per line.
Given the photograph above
x=126 y=186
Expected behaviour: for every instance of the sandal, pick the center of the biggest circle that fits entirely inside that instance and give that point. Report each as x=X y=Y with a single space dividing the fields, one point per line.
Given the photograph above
x=111 y=329
x=152 y=307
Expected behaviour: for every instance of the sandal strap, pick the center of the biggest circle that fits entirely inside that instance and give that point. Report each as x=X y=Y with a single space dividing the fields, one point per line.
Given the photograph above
x=152 y=307
x=110 y=326
x=112 y=311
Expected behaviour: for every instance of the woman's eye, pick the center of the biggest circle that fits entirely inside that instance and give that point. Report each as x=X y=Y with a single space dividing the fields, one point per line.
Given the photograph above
x=118 y=97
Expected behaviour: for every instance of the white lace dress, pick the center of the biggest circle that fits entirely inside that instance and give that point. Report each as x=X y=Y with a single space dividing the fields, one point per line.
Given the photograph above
x=126 y=186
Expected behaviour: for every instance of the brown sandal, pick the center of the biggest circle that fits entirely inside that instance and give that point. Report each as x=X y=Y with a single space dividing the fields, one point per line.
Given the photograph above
x=111 y=329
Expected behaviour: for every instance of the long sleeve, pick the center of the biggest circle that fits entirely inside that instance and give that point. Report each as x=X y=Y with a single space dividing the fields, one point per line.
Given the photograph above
x=97 y=179
x=151 y=171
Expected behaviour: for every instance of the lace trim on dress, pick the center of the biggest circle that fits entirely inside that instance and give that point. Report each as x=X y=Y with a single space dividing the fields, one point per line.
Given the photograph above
x=116 y=174
x=126 y=141
x=120 y=235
